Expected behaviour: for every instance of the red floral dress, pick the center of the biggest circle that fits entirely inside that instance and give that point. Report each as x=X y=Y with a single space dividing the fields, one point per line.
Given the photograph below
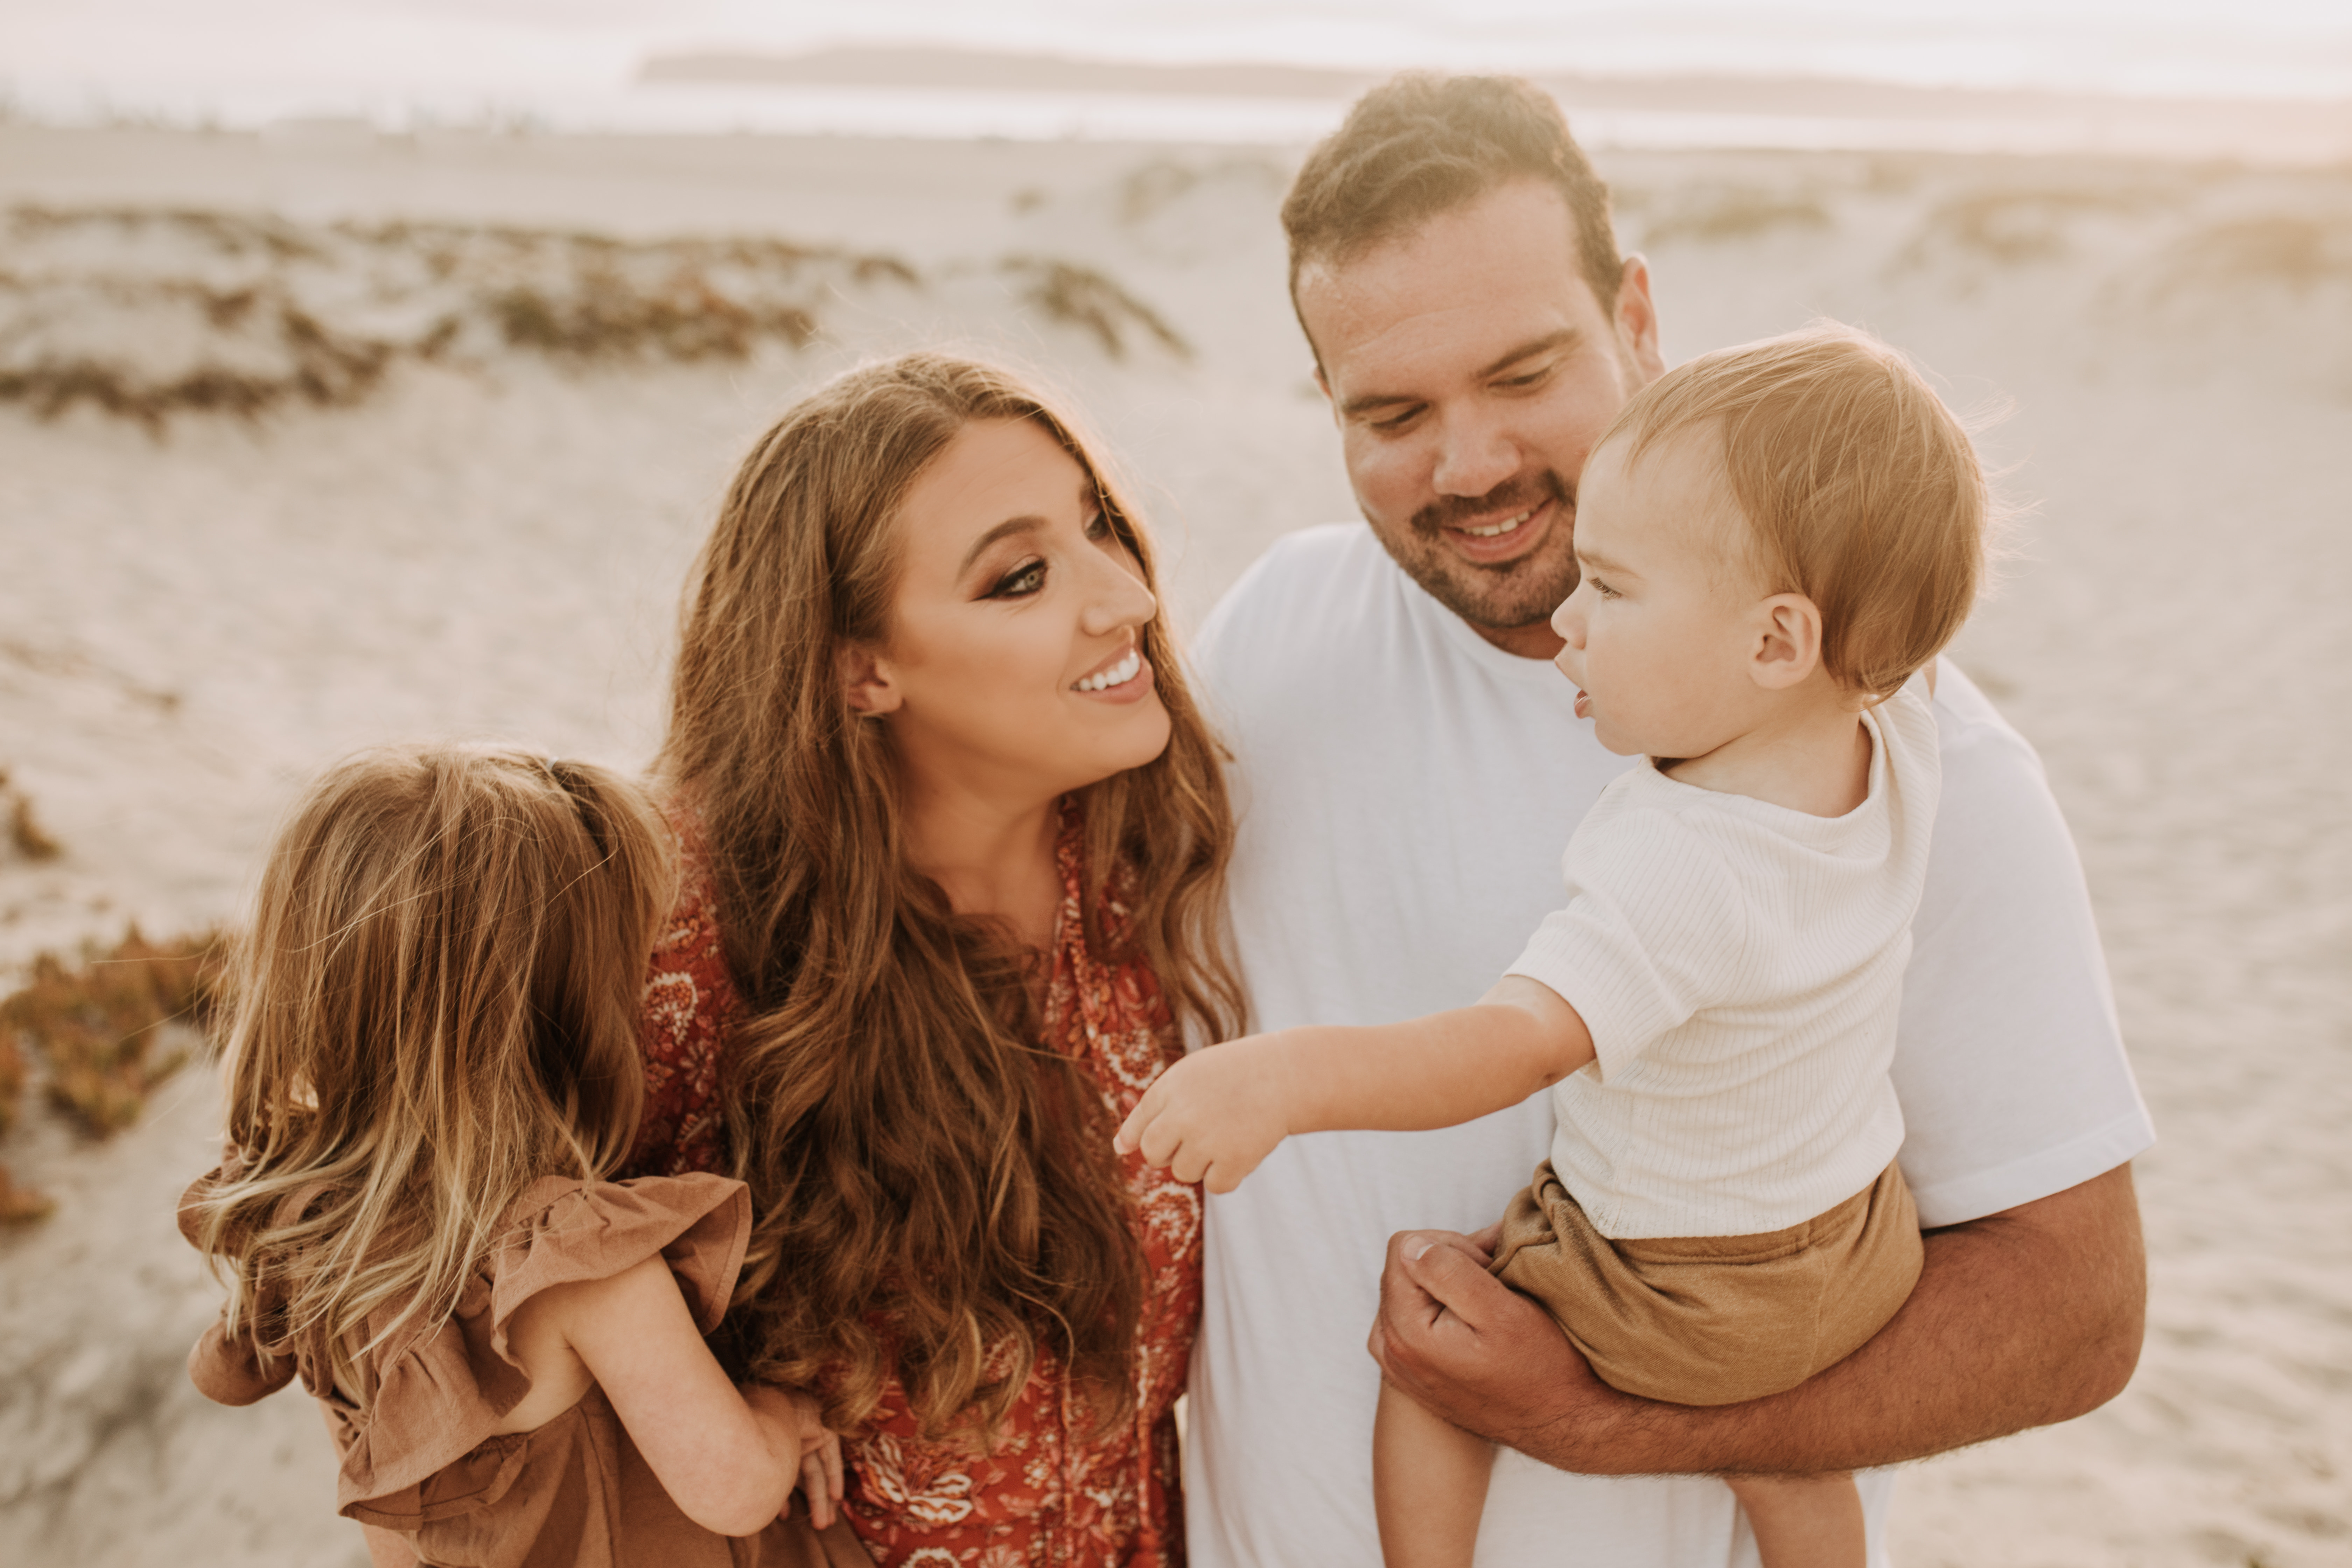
x=1049 y=1492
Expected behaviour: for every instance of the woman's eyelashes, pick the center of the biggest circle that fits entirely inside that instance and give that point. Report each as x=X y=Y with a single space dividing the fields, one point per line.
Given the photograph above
x=1029 y=576
x=1021 y=582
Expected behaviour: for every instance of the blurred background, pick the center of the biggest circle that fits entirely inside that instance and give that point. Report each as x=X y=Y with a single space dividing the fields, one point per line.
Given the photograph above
x=372 y=368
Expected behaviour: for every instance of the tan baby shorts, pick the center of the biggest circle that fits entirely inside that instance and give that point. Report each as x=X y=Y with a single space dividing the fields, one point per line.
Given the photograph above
x=1715 y=1319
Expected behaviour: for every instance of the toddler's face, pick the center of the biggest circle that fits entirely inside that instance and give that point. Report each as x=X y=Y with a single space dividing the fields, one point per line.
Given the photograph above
x=1657 y=633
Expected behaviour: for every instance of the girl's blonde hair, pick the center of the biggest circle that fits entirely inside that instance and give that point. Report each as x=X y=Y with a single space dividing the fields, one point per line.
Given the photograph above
x=435 y=1006
x=935 y=1191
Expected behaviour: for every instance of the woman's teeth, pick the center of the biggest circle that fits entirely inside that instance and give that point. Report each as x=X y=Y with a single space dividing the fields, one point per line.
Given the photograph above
x=1509 y=523
x=1119 y=674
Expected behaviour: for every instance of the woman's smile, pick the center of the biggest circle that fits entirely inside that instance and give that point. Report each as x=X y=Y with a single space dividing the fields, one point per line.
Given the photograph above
x=1124 y=678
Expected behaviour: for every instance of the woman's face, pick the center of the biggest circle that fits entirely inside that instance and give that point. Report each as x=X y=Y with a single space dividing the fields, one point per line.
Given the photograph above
x=1012 y=670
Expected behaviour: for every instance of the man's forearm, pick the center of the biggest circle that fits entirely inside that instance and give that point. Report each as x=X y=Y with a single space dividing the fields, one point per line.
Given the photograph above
x=2019 y=1319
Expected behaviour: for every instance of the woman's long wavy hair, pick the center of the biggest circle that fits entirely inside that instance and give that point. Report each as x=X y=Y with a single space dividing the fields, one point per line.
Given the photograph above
x=435 y=1006
x=936 y=1192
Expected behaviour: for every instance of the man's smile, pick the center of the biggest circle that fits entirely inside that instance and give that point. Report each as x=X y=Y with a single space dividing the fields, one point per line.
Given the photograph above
x=1497 y=540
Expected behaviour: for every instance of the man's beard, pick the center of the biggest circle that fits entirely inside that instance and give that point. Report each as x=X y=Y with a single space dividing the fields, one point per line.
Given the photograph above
x=1512 y=594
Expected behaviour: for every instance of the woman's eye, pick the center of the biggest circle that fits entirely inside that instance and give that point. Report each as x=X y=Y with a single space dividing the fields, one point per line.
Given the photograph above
x=1021 y=582
x=1099 y=526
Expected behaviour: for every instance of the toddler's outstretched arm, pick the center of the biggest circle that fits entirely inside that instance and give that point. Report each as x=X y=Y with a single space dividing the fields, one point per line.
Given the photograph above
x=1215 y=1115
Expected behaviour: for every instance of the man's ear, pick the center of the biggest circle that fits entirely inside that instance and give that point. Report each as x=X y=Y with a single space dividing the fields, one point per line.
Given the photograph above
x=866 y=681
x=1788 y=646
x=1637 y=318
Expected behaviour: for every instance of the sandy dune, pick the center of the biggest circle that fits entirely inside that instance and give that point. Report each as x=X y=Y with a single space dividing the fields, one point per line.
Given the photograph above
x=483 y=532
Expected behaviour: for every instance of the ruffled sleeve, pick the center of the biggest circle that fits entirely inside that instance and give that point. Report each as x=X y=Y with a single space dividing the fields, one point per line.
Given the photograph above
x=441 y=1395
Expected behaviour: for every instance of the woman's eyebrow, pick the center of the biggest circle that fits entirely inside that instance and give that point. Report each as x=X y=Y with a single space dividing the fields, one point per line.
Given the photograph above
x=1011 y=525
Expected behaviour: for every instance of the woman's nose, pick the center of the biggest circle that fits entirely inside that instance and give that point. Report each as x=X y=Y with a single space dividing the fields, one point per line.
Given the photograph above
x=1117 y=599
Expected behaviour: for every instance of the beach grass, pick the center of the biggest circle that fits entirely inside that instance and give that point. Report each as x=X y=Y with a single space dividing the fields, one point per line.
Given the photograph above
x=98 y=1025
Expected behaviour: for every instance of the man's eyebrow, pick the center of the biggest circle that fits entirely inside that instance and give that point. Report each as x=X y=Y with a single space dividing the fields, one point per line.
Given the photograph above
x=1021 y=524
x=1564 y=337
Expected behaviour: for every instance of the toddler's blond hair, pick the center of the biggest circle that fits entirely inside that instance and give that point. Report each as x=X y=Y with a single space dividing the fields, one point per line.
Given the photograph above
x=1859 y=489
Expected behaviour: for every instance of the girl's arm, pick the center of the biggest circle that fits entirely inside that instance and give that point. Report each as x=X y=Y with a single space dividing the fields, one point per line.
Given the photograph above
x=1218 y=1112
x=730 y=1464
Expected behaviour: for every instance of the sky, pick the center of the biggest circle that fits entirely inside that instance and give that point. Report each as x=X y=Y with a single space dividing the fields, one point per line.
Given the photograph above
x=247 y=59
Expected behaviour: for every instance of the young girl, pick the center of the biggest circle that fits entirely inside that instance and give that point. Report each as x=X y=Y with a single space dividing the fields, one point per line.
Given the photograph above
x=1773 y=539
x=432 y=1065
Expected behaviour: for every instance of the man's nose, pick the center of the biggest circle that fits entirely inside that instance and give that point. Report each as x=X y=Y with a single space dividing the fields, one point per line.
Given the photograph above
x=1475 y=454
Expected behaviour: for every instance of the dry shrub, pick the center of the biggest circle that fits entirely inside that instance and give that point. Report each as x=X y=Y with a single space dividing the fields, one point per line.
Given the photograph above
x=26 y=834
x=1081 y=297
x=2299 y=252
x=17 y=1204
x=1740 y=212
x=12 y=1081
x=98 y=1024
x=20 y=1204
x=2012 y=226
x=146 y=315
x=605 y=315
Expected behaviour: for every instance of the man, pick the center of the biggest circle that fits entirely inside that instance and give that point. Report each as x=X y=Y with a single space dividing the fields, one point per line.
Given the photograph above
x=1410 y=767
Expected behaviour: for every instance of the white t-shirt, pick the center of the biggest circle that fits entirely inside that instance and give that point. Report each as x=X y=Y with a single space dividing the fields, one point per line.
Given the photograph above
x=1738 y=965
x=1402 y=785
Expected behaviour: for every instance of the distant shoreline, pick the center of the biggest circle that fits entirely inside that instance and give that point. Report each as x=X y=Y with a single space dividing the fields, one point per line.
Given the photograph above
x=1683 y=92
x=1665 y=110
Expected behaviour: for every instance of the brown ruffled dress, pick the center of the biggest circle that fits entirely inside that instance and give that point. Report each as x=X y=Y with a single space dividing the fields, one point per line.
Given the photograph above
x=423 y=1469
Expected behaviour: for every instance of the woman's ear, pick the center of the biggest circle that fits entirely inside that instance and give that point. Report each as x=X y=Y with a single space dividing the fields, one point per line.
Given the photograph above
x=866 y=681
x=1787 y=647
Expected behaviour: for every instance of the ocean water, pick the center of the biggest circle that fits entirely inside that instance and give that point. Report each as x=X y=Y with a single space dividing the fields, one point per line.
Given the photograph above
x=575 y=64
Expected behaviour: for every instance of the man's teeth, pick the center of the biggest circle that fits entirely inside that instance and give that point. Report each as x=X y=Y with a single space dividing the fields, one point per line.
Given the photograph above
x=1119 y=674
x=1509 y=523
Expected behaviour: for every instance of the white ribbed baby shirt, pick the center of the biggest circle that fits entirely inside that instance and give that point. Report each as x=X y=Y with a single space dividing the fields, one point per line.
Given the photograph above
x=1740 y=967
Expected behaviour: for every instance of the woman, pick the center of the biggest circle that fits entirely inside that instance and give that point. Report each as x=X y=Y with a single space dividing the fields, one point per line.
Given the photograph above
x=955 y=840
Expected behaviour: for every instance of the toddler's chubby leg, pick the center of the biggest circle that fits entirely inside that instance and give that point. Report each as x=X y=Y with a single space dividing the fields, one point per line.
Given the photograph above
x=1429 y=1484
x=1803 y=1522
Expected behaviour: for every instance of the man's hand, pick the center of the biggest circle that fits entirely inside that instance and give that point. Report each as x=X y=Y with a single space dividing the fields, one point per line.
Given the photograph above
x=2019 y=1319
x=1215 y=1115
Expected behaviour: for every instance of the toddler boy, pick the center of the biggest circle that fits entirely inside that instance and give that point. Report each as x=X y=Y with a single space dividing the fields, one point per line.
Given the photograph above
x=1774 y=540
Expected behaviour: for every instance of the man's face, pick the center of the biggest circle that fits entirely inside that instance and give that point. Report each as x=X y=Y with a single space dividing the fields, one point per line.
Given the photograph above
x=1471 y=369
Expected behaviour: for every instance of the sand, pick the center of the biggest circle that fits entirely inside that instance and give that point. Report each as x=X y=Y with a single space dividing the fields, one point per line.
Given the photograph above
x=488 y=538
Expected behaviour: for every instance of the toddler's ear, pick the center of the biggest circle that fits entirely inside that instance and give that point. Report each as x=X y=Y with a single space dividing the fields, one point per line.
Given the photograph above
x=1788 y=643
x=866 y=681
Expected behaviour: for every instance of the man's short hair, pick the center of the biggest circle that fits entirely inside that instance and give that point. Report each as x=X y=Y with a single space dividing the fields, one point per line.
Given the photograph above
x=1421 y=144
x=1858 y=489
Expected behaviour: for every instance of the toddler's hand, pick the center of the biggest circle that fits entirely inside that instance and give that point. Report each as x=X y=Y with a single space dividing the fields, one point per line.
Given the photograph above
x=1213 y=1116
x=794 y=1420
